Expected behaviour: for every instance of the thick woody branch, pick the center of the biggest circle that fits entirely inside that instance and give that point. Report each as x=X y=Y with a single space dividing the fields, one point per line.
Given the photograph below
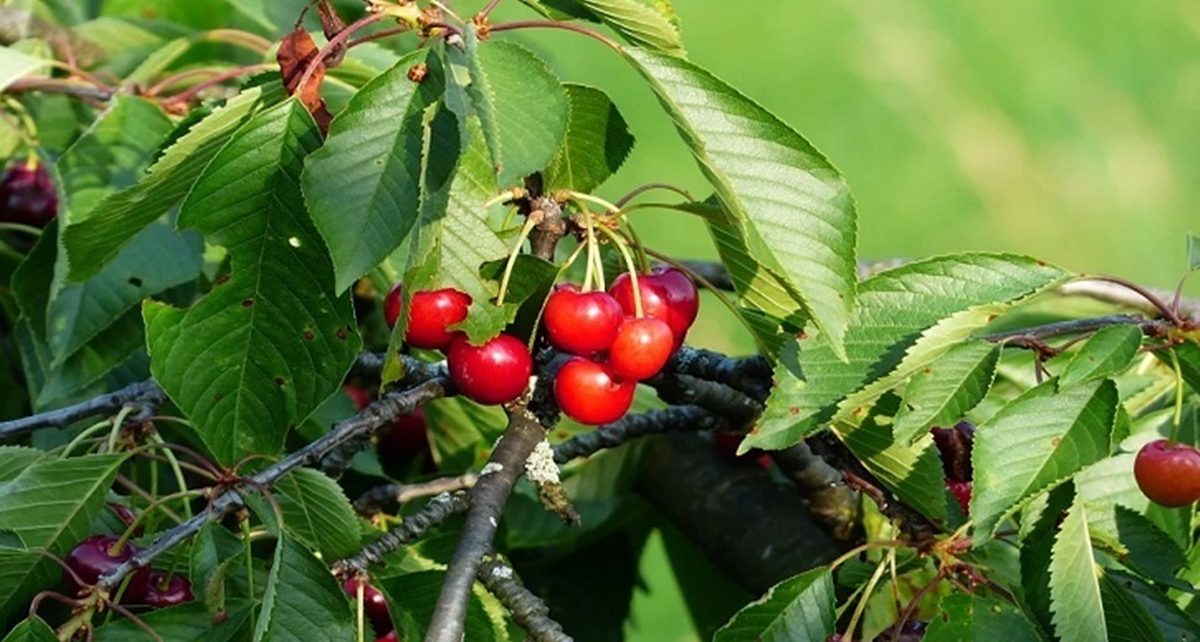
x=829 y=498
x=720 y=399
x=145 y=394
x=487 y=500
x=654 y=422
x=373 y=500
x=750 y=376
x=528 y=610
x=438 y=510
x=371 y=418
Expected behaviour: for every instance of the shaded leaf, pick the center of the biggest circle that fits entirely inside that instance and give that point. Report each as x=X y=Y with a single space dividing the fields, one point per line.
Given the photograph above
x=595 y=146
x=943 y=393
x=317 y=513
x=640 y=24
x=303 y=601
x=1125 y=617
x=184 y=623
x=800 y=609
x=979 y=618
x=31 y=630
x=14 y=65
x=413 y=596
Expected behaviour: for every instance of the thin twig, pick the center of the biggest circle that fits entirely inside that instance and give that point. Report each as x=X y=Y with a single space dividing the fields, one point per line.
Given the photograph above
x=188 y=94
x=57 y=86
x=642 y=189
x=438 y=510
x=371 y=501
x=553 y=24
x=528 y=610
x=1152 y=327
x=333 y=43
x=653 y=422
x=146 y=394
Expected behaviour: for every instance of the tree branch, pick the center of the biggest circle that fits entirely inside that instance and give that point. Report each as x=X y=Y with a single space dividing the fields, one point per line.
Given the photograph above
x=373 y=500
x=438 y=510
x=654 y=422
x=730 y=404
x=1150 y=327
x=487 y=500
x=371 y=418
x=61 y=86
x=144 y=393
x=828 y=496
x=750 y=375
x=528 y=610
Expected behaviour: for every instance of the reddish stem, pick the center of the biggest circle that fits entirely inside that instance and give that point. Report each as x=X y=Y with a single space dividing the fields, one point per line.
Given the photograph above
x=192 y=92
x=551 y=24
x=336 y=42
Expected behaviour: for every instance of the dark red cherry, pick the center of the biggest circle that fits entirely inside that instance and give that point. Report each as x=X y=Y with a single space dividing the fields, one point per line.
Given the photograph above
x=430 y=316
x=126 y=516
x=955 y=447
x=582 y=323
x=667 y=294
x=405 y=440
x=390 y=637
x=1169 y=474
x=962 y=492
x=27 y=195
x=95 y=556
x=393 y=302
x=374 y=605
x=163 y=590
x=591 y=394
x=494 y=373
x=359 y=397
x=641 y=349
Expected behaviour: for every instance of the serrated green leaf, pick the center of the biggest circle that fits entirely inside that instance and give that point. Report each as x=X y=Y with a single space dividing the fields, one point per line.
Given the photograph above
x=595 y=146
x=1125 y=617
x=93 y=241
x=114 y=358
x=1147 y=549
x=1109 y=485
x=905 y=319
x=184 y=623
x=303 y=601
x=1169 y=619
x=1108 y=352
x=1075 y=603
x=979 y=618
x=14 y=65
x=261 y=351
x=317 y=513
x=1188 y=354
x=14 y=459
x=1035 y=442
x=214 y=550
x=942 y=393
x=413 y=595
x=1039 y=524
x=792 y=207
x=32 y=629
x=799 y=609
x=363 y=186
x=530 y=283
x=50 y=506
x=642 y=25
x=520 y=104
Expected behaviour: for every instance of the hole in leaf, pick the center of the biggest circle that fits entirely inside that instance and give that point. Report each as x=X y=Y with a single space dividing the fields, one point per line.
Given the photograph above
x=135 y=282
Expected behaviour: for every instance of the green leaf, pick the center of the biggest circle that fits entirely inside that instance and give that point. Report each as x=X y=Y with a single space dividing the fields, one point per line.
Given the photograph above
x=303 y=601
x=1125 y=617
x=32 y=629
x=906 y=318
x=1170 y=620
x=520 y=103
x=641 y=25
x=979 y=618
x=1075 y=602
x=1188 y=354
x=1108 y=487
x=50 y=506
x=14 y=65
x=317 y=513
x=530 y=284
x=92 y=241
x=947 y=389
x=1193 y=252
x=184 y=623
x=914 y=473
x=1035 y=442
x=792 y=207
x=363 y=186
x=800 y=609
x=414 y=595
x=261 y=351
x=595 y=146
x=159 y=61
x=1108 y=352
x=14 y=459
x=1039 y=526
x=213 y=550
x=1146 y=548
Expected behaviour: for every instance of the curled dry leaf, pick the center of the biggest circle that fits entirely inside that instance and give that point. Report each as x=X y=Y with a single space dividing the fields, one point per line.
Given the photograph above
x=296 y=52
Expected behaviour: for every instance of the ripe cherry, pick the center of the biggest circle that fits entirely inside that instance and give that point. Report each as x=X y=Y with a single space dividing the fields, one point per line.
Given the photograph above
x=27 y=195
x=126 y=516
x=390 y=637
x=962 y=492
x=582 y=323
x=433 y=312
x=359 y=397
x=641 y=349
x=393 y=302
x=667 y=294
x=163 y=590
x=590 y=393
x=955 y=447
x=494 y=373
x=405 y=440
x=374 y=605
x=95 y=556
x=1169 y=474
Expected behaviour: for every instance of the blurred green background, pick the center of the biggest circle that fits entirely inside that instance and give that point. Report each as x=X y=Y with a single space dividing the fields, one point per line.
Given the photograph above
x=1066 y=130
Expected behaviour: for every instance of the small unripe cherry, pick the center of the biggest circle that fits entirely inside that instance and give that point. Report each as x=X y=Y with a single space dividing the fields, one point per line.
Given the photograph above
x=1169 y=474
x=591 y=394
x=430 y=316
x=582 y=323
x=374 y=605
x=494 y=373
x=393 y=303
x=641 y=349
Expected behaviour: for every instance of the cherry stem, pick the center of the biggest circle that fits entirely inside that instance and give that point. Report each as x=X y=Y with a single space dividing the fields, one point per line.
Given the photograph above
x=361 y=610
x=118 y=545
x=176 y=469
x=642 y=189
x=551 y=24
x=188 y=94
x=857 y=550
x=334 y=43
x=378 y=35
x=1178 y=418
x=1168 y=313
x=623 y=248
x=530 y=223
x=866 y=595
x=487 y=10
x=83 y=435
x=243 y=39
x=117 y=424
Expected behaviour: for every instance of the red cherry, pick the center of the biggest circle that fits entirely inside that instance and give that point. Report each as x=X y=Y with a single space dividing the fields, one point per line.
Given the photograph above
x=390 y=637
x=126 y=516
x=374 y=605
x=494 y=373
x=1169 y=474
x=406 y=439
x=962 y=493
x=96 y=556
x=433 y=312
x=163 y=590
x=358 y=397
x=641 y=349
x=582 y=323
x=667 y=294
x=590 y=393
x=393 y=302
x=27 y=195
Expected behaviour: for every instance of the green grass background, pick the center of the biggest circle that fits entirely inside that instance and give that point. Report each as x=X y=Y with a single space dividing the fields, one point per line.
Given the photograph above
x=1065 y=130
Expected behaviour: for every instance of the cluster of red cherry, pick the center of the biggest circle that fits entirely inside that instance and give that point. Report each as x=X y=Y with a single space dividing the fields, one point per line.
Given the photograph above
x=97 y=555
x=954 y=444
x=618 y=338
x=375 y=608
